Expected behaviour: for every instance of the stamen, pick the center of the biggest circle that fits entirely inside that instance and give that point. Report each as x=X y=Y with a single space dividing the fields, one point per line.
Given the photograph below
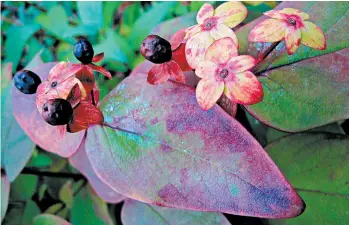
x=223 y=73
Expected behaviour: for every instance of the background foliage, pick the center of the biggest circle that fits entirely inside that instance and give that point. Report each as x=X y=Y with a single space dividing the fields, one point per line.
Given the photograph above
x=47 y=31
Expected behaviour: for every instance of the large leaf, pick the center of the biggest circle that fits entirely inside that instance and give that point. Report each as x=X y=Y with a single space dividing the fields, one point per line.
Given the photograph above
x=24 y=187
x=47 y=219
x=306 y=94
x=317 y=165
x=138 y=213
x=16 y=147
x=43 y=134
x=16 y=40
x=299 y=89
x=175 y=154
x=5 y=192
x=148 y=21
x=80 y=161
x=88 y=208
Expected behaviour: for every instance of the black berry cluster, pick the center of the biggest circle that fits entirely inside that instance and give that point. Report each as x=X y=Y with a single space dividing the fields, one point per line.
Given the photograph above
x=156 y=49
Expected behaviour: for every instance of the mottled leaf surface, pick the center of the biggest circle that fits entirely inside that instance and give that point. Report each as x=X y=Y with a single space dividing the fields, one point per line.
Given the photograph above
x=80 y=161
x=16 y=147
x=306 y=94
x=88 y=208
x=138 y=213
x=47 y=219
x=317 y=166
x=175 y=154
x=41 y=133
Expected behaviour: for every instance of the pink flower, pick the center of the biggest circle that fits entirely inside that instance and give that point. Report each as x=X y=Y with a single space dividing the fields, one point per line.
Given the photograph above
x=224 y=71
x=212 y=25
x=289 y=24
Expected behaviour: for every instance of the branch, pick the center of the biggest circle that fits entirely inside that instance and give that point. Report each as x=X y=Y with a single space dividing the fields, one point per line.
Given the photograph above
x=32 y=171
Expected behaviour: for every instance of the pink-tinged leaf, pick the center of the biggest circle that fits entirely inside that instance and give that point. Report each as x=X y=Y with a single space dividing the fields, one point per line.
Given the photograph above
x=223 y=31
x=43 y=134
x=5 y=192
x=80 y=161
x=313 y=36
x=205 y=12
x=196 y=48
x=315 y=92
x=179 y=57
x=231 y=13
x=100 y=70
x=292 y=39
x=16 y=146
x=209 y=91
x=138 y=213
x=48 y=219
x=175 y=154
x=177 y=39
x=175 y=71
x=221 y=51
x=85 y=75
x=241 y=63
x=243 y=88
x=97 y=58
x=85 y=115
x=158 y=74
x=270 y=30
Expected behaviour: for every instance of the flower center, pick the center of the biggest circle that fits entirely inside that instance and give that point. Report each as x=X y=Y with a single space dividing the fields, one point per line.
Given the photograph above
x=291 y=21
x=209 y=23
x=223 y=73
x=53 y=84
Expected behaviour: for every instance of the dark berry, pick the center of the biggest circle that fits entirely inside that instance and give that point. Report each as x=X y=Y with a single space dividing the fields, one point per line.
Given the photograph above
x=156 y=49
x=57 y=111
x=26 y=81
x=83 y=51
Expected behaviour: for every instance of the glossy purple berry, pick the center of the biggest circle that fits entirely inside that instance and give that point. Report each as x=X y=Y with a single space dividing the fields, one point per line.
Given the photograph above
x=156 y=49
x=57 y=112
x=26 y=81
x=83 y=51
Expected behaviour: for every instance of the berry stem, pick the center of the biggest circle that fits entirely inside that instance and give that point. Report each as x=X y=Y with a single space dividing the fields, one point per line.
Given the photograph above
x=33 y=171
x=265 y=54
x=93 y=98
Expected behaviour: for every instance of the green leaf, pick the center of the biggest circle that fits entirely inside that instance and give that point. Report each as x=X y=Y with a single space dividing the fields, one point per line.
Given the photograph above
x=53 y=209
x=24 y=187
x=41 y=192
x=5 y=192
x=91 y=13
x=40 y=160
x=138 y=213
x=129 y=16
x=148 y=21
x=16 y=146
x=88 y=208
x=55 y=21
x=306 y=94
x=17 y=38
x=112 y=49
x=66 y=194
x=317 y=166
x=30 y=211
x=47 y=219
x=109 y=8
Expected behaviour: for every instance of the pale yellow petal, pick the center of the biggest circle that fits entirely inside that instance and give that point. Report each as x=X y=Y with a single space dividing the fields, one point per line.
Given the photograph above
x=231 y=13
x=205 y=12
x=208 y=91
x=269 y=30
x=196 y=48
x=222 y=31
x=292 y=39
x=206 y=69
x=313 y=36
x=221 y=51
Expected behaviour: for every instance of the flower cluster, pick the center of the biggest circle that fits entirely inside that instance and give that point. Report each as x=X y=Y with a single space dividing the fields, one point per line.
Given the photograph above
x=68 y=98
x=211 y=49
